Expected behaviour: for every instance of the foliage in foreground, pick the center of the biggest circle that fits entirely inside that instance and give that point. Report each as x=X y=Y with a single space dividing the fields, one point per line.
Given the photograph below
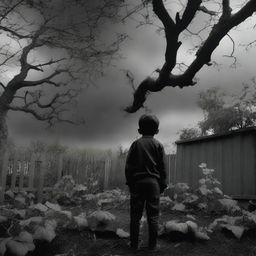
x=23 y=222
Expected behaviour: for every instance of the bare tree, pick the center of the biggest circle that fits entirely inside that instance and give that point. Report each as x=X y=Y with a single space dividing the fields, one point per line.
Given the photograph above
x=221 y=20
x=45 y=45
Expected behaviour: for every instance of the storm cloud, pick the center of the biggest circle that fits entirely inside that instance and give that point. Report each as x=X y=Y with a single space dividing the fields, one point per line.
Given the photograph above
x=101 y=105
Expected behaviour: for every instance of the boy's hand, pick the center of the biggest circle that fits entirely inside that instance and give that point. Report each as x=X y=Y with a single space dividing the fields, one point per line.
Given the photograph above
x=162 y=188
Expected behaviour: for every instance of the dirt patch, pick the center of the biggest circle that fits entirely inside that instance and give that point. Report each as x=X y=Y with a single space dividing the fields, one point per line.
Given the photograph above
x=86 y=243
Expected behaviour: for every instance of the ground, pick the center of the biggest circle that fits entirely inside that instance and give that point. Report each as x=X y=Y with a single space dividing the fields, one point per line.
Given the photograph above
x=84 y=243
x=69 y=200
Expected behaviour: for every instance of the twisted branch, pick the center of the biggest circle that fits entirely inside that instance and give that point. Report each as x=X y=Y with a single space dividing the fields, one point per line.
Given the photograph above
x=50 y=111
x=202 y=57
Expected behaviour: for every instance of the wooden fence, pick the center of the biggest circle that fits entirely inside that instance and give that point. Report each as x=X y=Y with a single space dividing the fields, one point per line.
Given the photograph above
x=19 y=173
x=39 y=172
x=232 y=155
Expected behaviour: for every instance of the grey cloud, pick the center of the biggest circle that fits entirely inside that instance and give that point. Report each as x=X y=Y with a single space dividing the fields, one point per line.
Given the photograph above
x=101 y=106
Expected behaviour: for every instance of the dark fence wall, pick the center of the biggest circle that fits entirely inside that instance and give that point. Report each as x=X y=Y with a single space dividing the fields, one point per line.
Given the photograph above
x=116 y=174
x=85 y=170
x=20 y=172
x=232 y=155
x=36 y=172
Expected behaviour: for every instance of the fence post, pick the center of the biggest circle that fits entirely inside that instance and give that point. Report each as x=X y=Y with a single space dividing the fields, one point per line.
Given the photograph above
x=60 y=167
x=41 y=171
x=14 y=171
x=105 y=174
x=22 y=169
x=171 y=168
x=31 y=172
x=4 y=162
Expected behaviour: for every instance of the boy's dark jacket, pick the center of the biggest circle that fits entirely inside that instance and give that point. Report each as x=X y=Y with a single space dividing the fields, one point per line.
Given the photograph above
x=146 y=158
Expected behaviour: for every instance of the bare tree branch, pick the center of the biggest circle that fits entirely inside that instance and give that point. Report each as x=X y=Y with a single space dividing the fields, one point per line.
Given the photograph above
x=246 y=11
x=8 y=58
x=14 y=33
x=74 y=41
x=49 y=63
x=162 y=14
x=226 y=22
x=206 y=10
x=46 y=80
x=130 y=77
x=50 y=111
x=188 y=15
x=2 y=85
x=231 y=55
x=9 y=10
x=226 y=8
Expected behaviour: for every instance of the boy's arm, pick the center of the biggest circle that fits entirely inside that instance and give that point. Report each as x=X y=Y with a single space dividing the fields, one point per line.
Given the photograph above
x=162 y=169
x=129 y=165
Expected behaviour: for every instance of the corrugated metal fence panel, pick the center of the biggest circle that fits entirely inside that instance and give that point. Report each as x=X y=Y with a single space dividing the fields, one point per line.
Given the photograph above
x=248 y=166
x=171 y=168
x=237 y=166
x=179 y=163
x=232 y=158
x=227 y=164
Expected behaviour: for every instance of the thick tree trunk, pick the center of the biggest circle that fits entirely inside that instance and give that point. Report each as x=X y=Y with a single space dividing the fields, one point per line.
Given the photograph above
x=5 y=100
x=3 y=142
x=3 y=130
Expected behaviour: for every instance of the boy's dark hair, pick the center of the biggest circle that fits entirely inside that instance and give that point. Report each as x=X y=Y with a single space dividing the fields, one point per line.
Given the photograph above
x=148 y=125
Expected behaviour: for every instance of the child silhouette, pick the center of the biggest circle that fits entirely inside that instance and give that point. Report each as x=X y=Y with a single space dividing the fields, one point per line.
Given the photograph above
x=145 y=173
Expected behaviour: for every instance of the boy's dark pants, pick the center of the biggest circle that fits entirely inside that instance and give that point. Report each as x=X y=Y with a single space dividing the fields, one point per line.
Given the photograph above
x=144 y=192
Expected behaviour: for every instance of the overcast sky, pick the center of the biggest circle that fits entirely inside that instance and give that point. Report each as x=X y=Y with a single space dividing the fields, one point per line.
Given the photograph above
x=108 y=126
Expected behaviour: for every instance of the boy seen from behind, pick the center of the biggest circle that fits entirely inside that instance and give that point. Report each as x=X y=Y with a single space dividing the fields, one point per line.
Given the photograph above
x=145 y=173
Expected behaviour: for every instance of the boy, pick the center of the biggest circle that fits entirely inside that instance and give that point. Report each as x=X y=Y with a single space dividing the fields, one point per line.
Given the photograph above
x=146 y=177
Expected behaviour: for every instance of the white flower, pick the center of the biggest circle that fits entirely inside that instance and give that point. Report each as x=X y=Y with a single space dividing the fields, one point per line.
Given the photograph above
x=181 y=188
x=95 y=183
x=191 y=199
x=121 y=233
x=207 y=171
x=218 y=191
x=203 y=165
x=81 y=221
x=201 y=181
x=179 y=207
x=204 y=191
x=52 y=206
x=229 y=204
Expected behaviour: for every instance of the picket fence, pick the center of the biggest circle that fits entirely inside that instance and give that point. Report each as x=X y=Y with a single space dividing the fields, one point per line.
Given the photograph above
x=19 y=173
x=40 y=172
